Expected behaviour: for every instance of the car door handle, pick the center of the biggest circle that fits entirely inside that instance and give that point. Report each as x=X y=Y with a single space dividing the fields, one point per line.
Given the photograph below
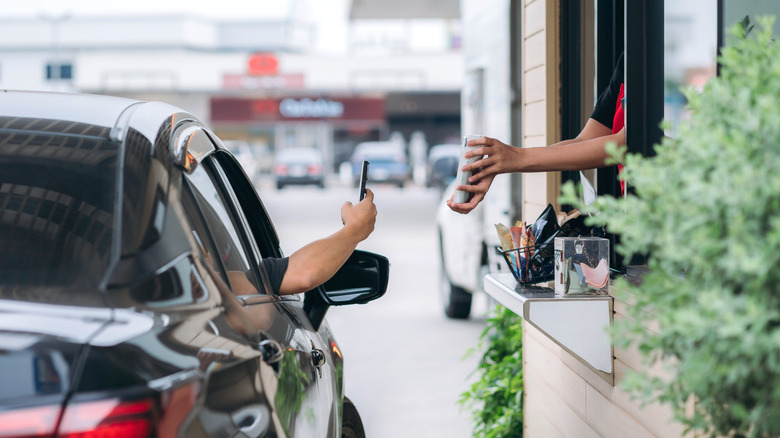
x=318 y=357
x=270 y=350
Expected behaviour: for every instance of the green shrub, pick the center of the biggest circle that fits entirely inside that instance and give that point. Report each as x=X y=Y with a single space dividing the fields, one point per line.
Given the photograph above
x=707 y=214
x=496 y=399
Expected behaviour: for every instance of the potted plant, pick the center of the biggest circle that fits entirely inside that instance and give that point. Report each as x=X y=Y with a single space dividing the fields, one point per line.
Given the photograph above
x=495 y=399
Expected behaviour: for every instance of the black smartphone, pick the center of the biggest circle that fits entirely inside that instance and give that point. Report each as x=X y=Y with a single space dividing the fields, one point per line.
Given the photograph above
x=363 y=178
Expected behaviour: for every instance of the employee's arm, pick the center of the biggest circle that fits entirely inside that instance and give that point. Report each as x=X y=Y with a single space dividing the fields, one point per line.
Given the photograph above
x=586 y=151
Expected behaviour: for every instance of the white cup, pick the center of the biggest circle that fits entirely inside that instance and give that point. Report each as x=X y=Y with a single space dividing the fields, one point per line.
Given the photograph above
x=462 y=177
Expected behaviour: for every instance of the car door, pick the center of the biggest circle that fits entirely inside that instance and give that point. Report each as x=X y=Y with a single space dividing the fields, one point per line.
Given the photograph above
x=261 y=228
x=297 y=400
x=312 y=346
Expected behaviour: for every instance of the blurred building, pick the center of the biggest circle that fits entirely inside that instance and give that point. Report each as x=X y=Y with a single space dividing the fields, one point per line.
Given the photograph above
x=253 y=81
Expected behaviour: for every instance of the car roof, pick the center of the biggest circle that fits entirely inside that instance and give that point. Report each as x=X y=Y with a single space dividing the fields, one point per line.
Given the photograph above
x=378 y=149
x=299 y=153
x=444 y=150
x=112 y=114
x=96 y=110
x=378 y=145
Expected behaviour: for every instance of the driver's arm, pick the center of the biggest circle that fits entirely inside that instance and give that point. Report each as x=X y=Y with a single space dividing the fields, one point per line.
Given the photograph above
x=316 y=262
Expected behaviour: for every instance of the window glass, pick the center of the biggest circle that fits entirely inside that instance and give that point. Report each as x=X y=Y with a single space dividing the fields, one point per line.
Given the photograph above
x=691 y=38
x=690 y=52
x=66 y=71
x=199 y=230
x=735 y=10
x=56 y=71
x=39 y=370
x=58 y=201
x=223 y=232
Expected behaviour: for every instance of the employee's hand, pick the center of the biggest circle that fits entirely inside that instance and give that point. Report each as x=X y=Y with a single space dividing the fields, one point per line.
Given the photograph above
x=497 y=157
x=478 y=190
x=360 y=218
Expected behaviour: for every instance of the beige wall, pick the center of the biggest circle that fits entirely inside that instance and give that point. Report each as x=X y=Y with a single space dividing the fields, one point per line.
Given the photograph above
x=541 y=115
x=564 y=398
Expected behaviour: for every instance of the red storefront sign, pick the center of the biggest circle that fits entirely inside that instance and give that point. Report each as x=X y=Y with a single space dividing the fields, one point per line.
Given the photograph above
x=261 y=64
x=276 y=82
x=238 y=110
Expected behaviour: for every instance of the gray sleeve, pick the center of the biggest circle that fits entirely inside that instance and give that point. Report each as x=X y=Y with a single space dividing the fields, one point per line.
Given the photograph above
x=275 y=268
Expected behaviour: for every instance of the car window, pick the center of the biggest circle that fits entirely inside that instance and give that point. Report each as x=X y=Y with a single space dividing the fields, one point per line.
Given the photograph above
x=251 y=214
x=253 y=210
x=58 y=197
x=205 y=189
x=199 y=230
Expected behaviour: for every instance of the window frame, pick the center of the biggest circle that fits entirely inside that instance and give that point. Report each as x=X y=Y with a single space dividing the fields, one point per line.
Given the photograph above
x=207 y=160
x=255 y=221
x=242 y=194
x=259 y=223
x=644 y=75
x=239 y=221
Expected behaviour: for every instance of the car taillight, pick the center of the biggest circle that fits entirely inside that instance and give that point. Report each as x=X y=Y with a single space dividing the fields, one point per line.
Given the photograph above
x=280 y=169
x=96 y=419
x=108 y=419
x=30 y=422
x=314 y=169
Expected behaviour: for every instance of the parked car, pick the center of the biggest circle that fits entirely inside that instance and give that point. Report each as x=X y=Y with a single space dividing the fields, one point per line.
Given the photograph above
x=388 y=162
x=443 y=164
x=464 y=256
x=299 y=166
x=132 y=299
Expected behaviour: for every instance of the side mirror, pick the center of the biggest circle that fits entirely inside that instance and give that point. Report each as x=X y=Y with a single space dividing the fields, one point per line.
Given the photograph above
x=363 y=278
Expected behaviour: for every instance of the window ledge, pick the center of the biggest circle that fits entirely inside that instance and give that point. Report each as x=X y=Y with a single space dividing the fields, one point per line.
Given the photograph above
x=578 y=324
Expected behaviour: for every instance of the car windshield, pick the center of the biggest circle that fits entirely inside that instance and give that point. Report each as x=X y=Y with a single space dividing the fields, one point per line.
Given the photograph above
x=446 y=166
x=302 y=156
x=57 y=204
x=382 y=161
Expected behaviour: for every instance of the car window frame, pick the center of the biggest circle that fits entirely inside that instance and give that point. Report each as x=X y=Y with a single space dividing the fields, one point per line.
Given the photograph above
x=248 y=200
x=243 y=194
x=205 y=159
x=239 y=216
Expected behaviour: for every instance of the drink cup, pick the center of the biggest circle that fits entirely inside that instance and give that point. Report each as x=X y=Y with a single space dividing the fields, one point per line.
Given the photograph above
x=462 y=177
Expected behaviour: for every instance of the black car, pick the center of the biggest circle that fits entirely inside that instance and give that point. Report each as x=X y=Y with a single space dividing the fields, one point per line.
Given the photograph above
x=133 y=300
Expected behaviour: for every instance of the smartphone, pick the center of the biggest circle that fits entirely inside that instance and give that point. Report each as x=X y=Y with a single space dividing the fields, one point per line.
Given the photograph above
x=363 y=178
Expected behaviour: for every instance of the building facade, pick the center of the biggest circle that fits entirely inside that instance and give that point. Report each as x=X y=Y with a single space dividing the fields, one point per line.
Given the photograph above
x=257 y=82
